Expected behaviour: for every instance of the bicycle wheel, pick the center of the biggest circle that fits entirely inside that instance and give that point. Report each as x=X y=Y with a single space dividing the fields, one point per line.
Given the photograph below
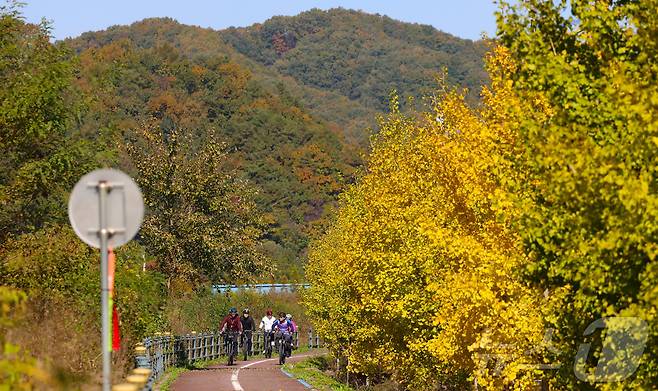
x=231 y=350
x=282 y=356
x=268 y=349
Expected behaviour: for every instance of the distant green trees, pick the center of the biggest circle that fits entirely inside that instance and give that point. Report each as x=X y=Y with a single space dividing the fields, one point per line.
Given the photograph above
x=361 y=56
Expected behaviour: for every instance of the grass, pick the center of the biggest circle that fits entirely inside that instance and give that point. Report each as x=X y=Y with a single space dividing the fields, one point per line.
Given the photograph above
x=312 y=371
x=169 y=377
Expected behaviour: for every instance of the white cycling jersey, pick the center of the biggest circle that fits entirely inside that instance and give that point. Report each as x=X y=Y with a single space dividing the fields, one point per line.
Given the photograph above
x=267 y=322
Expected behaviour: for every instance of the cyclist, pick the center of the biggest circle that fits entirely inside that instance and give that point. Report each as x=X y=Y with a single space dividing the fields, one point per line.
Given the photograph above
x=231 y=324
x=267 y=321
x=266 y=325
x=248 y=327
x=292 y=322
x=284 y=327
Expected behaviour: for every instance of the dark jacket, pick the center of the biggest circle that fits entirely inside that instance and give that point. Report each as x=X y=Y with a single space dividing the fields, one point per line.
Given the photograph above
x=248 y=323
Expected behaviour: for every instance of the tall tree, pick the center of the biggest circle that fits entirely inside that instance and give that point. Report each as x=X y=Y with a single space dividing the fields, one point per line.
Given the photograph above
x=202 y=222
x=588 y=192
x=420 y=259
x=38 y=164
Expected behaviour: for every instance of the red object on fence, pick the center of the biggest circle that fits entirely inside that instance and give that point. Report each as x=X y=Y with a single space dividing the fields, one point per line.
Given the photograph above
x=116 y=336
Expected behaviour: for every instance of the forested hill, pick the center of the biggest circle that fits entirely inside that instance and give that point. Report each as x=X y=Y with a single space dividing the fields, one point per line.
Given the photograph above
x=341 y=64
x=361 y=56
x=292 y=98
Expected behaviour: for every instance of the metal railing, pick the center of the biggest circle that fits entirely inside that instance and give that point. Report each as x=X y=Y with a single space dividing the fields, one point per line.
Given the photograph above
x=263 y=288
x=162 y=351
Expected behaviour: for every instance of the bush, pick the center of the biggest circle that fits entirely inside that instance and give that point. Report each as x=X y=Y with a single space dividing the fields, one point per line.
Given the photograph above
x=62 y=279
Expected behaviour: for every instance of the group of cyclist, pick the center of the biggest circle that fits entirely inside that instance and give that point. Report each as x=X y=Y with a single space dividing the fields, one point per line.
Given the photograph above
x=277 y=332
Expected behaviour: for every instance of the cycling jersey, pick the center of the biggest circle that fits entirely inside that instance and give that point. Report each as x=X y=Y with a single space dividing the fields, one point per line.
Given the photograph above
x=285 y=327
x=267 y=322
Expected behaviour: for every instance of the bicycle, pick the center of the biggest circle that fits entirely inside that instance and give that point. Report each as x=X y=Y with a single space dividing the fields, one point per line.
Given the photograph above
x=268 y=342
x=285 y=347
x=231 y=343
x=246 y=343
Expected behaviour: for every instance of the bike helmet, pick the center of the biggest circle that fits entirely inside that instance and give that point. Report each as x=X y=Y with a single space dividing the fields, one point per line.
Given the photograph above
x=233 y=310
x=288 y=316
x=268 y=312
x=245 y=311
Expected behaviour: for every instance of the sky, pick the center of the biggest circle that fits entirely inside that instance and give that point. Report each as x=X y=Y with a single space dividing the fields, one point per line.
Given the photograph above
x=70 y=18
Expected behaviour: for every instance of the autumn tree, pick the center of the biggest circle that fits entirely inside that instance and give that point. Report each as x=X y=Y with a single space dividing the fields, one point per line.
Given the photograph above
x=420 y=260
x=202 y=222
x=587 y=192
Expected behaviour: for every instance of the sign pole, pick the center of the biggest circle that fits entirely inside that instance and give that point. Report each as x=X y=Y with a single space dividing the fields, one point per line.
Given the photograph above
x=103 y=189
x=106 y=209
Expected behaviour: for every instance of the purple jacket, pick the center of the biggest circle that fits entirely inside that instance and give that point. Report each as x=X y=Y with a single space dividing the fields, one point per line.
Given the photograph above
x=286 y=327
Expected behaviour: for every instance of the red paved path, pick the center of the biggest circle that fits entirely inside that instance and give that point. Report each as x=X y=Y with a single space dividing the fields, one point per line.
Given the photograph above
x=258 y=375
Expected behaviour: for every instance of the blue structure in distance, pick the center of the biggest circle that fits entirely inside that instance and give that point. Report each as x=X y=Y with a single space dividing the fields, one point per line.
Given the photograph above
x=260 y=288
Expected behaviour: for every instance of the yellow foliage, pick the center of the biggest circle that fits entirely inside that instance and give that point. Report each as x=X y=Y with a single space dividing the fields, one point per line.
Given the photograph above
x=416 y=276
x=18 y=370
x=587 y=203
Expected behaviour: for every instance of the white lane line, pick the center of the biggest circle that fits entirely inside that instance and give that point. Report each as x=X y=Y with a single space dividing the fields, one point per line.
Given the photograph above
x=236 y=372
x=234 y=381
x=234 y=376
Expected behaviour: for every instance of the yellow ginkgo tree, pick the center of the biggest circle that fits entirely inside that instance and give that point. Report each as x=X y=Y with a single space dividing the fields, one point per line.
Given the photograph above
x=416 y=276
x=588 y=201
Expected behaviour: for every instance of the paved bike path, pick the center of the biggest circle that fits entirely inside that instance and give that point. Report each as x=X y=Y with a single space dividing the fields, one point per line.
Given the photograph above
x=259 y=375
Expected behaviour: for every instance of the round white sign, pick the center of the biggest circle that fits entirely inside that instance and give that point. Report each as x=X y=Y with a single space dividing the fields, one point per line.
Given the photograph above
x=124 y=207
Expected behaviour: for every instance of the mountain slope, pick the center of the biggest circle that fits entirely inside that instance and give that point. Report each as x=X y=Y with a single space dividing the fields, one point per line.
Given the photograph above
x=198 y=44
x=359 y=55
x=298 y=162
x=340 y=64
x=291 y=98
